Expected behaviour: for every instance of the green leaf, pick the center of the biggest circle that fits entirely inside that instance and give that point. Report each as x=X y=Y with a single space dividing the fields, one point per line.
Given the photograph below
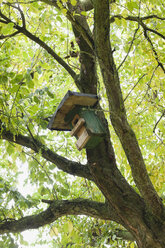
x=83 y=13
x=54 y=231
x=64 y=11
x=63 y=191
x=131 y=5
x=73 y=2
x=36 y=99
x=3 y=78
x=50 y=94
x=38 y=69
x=18 y=78
x=14 y=89
x=118 y=21
x=10 y=149
x=7 y=29
x=59 y=18
x=68 y=227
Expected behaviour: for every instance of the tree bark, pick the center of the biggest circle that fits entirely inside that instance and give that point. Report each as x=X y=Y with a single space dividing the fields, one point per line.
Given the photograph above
x=142 y=214
x=56 y=210
x=68 y=166
x=145 y=231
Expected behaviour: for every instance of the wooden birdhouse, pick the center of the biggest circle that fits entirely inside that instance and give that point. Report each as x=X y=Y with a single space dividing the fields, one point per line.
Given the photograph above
x=76 y=113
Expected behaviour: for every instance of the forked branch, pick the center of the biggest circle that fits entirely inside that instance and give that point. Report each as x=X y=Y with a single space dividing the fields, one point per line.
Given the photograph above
x=140 y=21
x=9 y=35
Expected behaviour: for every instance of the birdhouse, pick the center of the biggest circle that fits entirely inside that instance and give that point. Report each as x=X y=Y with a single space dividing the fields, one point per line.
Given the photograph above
x=76 y=113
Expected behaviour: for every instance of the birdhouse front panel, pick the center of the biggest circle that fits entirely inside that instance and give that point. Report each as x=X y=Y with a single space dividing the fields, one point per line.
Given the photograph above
x=79 y=131
x=86 y=127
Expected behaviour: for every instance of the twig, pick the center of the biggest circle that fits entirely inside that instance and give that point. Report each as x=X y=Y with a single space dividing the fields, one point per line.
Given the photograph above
x=159 y=138
x=134 y=86
x=42 y=44
x=152 y=16
x=148 y=84
x=47 y=201
x=154 y=50
x=19 y=2
x=163 y=114
x=9 y=35
x=129 y=48
x=20 y=11
x=140 y=21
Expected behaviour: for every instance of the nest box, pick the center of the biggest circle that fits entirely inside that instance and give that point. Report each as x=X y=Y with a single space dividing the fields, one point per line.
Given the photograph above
x=76 y=113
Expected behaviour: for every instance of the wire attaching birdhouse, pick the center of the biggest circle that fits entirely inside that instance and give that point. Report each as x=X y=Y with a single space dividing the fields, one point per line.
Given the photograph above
x=76 y=113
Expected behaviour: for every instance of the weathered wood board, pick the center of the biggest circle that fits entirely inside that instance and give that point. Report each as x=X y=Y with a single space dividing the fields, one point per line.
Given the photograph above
x=70 y=100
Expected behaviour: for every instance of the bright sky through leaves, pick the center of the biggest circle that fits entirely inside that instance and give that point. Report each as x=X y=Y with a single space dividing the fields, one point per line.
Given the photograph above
x=41 y=58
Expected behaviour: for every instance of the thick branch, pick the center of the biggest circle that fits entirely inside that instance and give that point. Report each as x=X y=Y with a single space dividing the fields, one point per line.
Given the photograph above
x=87 y=80
x=76 y=24
x=62 y=163
x=80 y=29
x=49 y=50
x=117 y=109
x=56 y=210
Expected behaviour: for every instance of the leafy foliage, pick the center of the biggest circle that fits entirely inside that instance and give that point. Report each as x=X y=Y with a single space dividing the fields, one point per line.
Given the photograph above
x=32 y=84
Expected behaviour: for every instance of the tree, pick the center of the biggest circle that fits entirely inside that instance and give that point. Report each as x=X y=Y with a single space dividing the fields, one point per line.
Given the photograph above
x=115 y=50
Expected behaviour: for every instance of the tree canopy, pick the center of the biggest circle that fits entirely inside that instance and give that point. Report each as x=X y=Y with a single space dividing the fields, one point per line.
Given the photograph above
x=112 y=195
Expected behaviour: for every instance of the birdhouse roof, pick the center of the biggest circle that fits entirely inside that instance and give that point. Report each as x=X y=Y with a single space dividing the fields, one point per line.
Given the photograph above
x=70 y=100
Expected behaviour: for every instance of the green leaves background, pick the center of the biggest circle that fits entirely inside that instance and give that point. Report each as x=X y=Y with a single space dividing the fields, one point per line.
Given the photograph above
x=32 y=84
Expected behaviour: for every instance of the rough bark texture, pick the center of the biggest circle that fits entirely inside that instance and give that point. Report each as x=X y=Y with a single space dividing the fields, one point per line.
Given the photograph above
x=56 y=210
x=143 y=215
x=146 y=235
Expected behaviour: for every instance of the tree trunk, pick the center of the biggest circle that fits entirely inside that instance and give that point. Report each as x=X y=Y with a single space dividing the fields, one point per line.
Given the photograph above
x=143 y=213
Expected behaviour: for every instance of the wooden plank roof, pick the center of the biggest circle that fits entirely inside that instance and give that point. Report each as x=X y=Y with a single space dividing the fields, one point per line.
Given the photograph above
x=70 y=100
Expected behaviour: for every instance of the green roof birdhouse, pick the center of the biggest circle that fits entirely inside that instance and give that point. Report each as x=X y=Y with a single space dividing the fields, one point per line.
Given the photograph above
x=76 y=113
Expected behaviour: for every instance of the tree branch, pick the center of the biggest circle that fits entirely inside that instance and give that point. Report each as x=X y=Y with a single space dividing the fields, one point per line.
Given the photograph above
x=129 y=48
x=163 y=114
x=9 y=35
x=117 y=110
x=37 y=40
x=68 y=166
x=77 y=25
x=123 y=234
x=153 y=16
x=57 y=209
x=87 y=80
x=80 y=29
x=140 y=21
x=50 y=51
x=154 y=50
x=85 y=4
x=20 y=11
x=134 y=86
